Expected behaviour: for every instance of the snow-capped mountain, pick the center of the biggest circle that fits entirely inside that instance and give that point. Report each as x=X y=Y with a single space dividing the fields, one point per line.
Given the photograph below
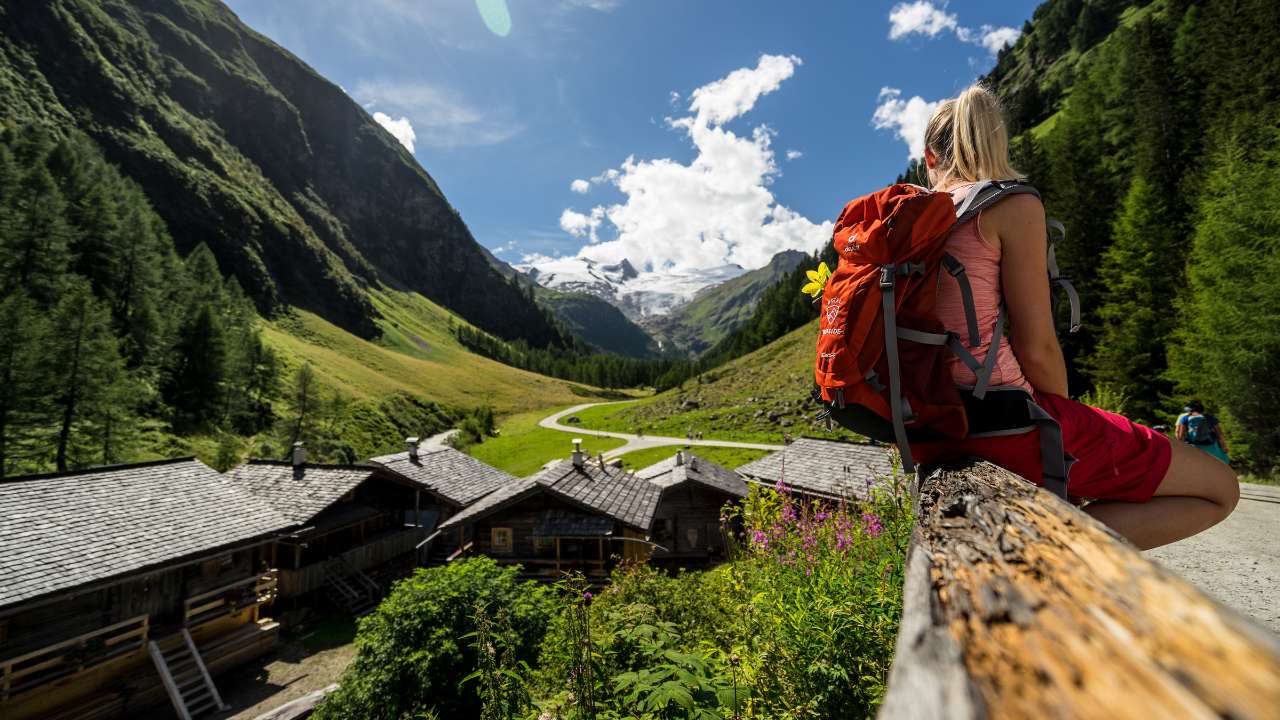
x=638 y=294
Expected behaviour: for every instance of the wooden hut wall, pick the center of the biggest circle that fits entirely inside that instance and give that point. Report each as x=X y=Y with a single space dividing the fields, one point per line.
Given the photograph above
x=159 y=595
x=687 y=521
x=521 y=518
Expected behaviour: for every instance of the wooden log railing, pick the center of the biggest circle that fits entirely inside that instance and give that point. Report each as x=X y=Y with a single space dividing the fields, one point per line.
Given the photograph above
x=246 y=592
x=72 y=656
x=1019 y=605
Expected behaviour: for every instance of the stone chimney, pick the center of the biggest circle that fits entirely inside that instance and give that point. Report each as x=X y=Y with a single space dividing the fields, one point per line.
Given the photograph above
x=578 y=458
x=411 y=445
x=299 y=455
x=679 y=458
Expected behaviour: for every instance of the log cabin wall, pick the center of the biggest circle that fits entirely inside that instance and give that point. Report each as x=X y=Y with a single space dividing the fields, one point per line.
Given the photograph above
x=522 y=518
x=687 y=523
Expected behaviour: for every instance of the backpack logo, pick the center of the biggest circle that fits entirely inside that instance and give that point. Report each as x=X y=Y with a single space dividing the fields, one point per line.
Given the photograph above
x=833 y=310
x=853 y=245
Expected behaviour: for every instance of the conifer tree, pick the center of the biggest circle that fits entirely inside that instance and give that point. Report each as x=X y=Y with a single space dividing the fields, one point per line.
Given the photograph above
x=1142 y=270
x=1227 y=351
x=88 y=381
x=24 y=406
x=194 y=387
x=33 y=255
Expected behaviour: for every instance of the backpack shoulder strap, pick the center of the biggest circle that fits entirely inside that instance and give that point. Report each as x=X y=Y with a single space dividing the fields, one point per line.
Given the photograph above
x=986 y=193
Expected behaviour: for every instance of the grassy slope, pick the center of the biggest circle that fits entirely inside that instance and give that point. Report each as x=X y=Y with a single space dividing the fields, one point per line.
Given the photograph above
x=732 y=402
x=727 y=457
x=522 y=448
x=416 y=354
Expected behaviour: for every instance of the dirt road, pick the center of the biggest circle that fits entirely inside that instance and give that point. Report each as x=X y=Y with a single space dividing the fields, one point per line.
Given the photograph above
x=1237 y=561
x=635 y=442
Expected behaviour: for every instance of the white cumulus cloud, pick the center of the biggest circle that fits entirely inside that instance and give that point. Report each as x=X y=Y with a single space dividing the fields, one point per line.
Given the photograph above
x=924 y=17
x=735 y=94
x=579 y=225
x=580 y=186
x=992 y=38
x=716 y=210
x=401 y=129
x=921 y=17
x=907 y=118
x=794 y=154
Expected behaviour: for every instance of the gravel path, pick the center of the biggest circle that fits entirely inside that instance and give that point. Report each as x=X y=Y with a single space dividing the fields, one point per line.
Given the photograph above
x=1238 y=560
x=635 y=442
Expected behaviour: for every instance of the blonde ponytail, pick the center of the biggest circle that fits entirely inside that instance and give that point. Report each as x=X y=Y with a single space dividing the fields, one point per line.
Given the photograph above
x=969 y=137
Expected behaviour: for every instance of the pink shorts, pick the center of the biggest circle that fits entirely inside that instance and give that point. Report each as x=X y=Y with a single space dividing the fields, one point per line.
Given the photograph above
x=1116 y=458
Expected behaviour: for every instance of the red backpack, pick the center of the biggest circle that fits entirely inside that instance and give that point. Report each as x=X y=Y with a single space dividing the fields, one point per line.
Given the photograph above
x=881 y=371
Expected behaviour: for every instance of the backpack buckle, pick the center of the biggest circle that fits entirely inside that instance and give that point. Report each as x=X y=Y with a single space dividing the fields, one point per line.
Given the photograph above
x=887 y=275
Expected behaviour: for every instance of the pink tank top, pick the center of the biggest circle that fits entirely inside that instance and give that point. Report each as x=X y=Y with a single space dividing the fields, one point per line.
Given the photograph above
x=982 y=266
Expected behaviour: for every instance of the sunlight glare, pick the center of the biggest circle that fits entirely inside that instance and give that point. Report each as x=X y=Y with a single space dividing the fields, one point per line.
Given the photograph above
x=496 y=16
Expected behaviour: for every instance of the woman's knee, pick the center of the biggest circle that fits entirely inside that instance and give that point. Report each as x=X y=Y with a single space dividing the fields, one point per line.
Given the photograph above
x=1227 y=484
x=1193 y=473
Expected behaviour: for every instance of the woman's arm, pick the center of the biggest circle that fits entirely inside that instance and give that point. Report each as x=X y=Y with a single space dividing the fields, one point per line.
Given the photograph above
x=1222 y=437
x=1019 y=224
x=1181 y=431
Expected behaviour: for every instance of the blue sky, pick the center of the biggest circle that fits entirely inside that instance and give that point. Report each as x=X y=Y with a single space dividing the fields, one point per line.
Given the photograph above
x=507 y=115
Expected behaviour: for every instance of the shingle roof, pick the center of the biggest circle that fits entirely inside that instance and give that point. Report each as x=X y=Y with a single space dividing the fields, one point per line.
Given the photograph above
x=298 y=492
x=493 y=501
x=453 y=475
x=607 y=490
x=559 y=523
x=824 y=467
x=667 y=474
x=70 y=529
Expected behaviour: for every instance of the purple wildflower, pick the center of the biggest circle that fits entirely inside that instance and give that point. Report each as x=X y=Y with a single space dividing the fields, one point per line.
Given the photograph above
x=871 y=524
x=760 y=538
x=586 y=597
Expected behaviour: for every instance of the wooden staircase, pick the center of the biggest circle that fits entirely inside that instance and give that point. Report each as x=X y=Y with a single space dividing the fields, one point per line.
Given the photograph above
x=185 y=678
x=351 y=589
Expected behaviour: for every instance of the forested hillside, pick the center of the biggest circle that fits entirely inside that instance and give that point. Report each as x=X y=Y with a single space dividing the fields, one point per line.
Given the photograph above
x=1152 y=129
x=241 y=147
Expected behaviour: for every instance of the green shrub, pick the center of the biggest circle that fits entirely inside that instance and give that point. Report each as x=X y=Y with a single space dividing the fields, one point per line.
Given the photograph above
x=412 y=653
x=821 y=590
x=644 y=647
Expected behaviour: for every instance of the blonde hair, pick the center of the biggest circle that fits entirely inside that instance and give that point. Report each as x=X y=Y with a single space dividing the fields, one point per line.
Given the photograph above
x=969 y=137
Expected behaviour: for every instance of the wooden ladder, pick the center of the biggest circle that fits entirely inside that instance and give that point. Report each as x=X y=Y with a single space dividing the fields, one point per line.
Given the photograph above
x=186 y=679
x=357 y=593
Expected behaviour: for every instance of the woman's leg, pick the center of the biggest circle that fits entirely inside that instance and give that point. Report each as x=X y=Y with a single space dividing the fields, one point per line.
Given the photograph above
x=1197 y=492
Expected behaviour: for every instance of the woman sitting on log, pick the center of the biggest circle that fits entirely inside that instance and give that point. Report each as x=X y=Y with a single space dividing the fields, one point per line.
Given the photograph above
x=1140 y=484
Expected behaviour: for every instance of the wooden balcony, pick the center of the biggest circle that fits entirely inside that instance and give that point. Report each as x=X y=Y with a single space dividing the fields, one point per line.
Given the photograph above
x=72 y=657
x=247 y=592
x=373 y=553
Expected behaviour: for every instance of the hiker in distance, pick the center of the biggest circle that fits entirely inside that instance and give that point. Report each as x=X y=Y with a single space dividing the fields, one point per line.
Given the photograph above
x=912 y=346
x=1203 y=431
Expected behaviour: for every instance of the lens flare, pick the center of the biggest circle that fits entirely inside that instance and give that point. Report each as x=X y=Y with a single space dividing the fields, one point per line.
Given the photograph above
x=496 y=16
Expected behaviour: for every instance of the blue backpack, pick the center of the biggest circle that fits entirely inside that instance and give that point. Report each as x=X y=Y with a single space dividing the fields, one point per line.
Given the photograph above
x=1201 y=430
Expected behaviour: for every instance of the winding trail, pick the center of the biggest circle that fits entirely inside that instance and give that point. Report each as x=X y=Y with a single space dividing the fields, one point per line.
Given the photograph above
x=636 y=442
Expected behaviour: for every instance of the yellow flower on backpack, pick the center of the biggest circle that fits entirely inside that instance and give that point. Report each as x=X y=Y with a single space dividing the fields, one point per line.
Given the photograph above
x=817 y=280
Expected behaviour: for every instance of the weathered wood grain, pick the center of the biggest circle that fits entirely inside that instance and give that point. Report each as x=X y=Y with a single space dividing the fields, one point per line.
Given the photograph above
x=1018 y=605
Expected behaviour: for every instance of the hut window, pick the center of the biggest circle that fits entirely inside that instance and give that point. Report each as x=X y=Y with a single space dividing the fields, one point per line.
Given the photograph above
x=500 y=539
x=661 y=531
x=544 y=544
